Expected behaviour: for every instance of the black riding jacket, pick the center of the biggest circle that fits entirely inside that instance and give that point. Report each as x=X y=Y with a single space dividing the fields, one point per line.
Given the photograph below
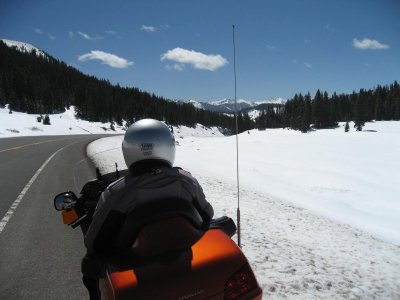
x=121 y=197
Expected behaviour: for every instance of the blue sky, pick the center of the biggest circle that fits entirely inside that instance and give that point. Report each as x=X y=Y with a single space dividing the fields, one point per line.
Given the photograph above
x=183 y=49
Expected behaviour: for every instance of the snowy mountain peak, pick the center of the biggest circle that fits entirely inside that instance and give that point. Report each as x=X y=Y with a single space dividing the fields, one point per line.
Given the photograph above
x=23 y=47
x=195 y=104
x=228 y=106
x=229 y=102
x=218 y=102
x=276 y=100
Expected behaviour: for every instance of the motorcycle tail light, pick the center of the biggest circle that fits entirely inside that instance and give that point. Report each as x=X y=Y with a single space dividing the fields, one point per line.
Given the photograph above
x=240 y=283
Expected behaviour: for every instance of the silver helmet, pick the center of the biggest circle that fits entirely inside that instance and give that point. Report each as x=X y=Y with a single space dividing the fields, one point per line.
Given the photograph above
x=148 y=139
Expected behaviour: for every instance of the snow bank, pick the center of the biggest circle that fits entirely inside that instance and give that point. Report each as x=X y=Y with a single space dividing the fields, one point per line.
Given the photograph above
x=350 y=177
x=199 y=130
x=299 y=255
x=22 y=124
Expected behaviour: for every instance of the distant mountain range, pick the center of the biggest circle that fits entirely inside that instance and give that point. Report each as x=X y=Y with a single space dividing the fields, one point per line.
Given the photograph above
x=228 y=105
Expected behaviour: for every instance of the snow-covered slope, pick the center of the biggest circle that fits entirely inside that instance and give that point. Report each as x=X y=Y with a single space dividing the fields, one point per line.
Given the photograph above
x=254 y=113
x=276 y=100
x=303 y=196
x=248 y=103
x=22 y=124
x=24 y=47
x=196 y=104
x=230 y=102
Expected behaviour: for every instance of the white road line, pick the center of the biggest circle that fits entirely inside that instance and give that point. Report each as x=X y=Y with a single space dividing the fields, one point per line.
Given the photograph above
x=15 y=204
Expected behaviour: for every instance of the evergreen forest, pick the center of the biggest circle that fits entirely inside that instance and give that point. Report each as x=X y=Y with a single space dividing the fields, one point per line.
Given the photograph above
x=322 y=111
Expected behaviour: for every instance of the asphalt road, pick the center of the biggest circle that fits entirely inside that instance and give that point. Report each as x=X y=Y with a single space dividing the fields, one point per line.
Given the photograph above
x=39 y=255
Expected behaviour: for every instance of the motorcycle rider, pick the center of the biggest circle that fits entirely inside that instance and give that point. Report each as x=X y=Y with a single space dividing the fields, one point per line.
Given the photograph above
x=149 y=152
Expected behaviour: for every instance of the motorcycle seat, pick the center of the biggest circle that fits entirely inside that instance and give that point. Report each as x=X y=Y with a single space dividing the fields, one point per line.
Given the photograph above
x=159 y=226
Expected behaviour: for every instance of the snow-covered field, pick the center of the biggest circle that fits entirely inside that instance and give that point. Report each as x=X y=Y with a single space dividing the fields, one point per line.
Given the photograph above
x=22 y=124
x=320 y=211
x=320 y=218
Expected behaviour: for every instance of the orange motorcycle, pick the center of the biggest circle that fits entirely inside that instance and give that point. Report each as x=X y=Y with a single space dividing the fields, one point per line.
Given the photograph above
x=172 y=256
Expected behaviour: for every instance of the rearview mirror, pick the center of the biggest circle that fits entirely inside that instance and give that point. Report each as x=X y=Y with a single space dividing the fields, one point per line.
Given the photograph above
x=65 y=201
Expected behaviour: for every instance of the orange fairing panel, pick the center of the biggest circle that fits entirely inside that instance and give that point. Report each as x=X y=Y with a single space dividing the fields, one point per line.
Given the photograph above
x=213 y=246
x=69 y=216
x=123 y=280
x=199 y=273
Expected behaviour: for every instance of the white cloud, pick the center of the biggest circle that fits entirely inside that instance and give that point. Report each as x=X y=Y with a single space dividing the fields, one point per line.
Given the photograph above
x=106 y=58
x=369 y=44
x=88 y=37
x=307 y=65
x=271 y=47
x=39 y=31
x=113 y=33
x=198 y=60
x=71 y=34
x=85 y=35
x=176 y=67
x=148 y=28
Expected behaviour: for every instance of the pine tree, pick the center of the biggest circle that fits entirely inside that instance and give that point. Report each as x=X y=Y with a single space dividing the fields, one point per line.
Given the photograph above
x=359 y=114
x=46 y=120
x=306 y=117
x=395 y=99
x=347 y=127
x=318 y=111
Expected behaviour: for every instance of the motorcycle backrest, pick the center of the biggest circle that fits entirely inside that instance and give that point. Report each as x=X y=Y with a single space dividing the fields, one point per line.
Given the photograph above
x=149 y=219
x=166 y=235
x=224 y=223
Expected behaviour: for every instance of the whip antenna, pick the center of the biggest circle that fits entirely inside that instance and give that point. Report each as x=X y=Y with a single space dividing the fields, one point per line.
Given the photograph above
x=237 y=138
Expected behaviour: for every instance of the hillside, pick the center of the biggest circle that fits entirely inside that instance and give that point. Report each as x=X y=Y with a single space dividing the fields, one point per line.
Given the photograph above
x=24 y=47
x=40 y=84
x=23 y=124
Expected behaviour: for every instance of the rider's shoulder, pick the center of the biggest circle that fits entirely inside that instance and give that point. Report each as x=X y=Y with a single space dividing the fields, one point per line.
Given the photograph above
x=182 y=172
x=117 y=184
